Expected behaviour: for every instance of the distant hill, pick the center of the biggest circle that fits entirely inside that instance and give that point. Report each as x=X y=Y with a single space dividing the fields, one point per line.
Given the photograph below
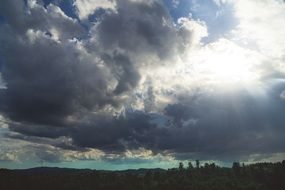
x=50 y=169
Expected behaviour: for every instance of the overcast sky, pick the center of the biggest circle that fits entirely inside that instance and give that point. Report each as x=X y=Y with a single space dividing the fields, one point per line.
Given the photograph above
x=116 y=84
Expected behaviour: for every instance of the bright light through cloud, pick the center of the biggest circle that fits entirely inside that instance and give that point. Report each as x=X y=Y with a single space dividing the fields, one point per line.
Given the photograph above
x=224 y=62
x=226 y=67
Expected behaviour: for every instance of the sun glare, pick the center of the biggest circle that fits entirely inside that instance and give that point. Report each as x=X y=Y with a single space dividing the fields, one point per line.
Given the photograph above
x=227 y=66
x=224 y=68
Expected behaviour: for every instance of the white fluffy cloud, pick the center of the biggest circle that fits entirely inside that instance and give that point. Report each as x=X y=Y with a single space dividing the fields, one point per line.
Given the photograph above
x=194 y=30
x=87 y=7
x=262 y=25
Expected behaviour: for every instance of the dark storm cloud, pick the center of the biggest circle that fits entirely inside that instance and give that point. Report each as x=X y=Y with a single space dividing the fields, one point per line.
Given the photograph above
x=228 y=126
x=51 y=78
x=139 y=28
x=47 y=81
x=20 y=18
x=61 y=142
x=132 y=131
x=111 y=134
x=125 y=72
x=149 y=100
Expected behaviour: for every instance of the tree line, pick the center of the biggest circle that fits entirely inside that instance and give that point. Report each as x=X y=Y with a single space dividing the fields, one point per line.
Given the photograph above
x=209 y=176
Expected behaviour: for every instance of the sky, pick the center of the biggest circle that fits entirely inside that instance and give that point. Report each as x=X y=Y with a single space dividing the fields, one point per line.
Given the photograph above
x=119 y=84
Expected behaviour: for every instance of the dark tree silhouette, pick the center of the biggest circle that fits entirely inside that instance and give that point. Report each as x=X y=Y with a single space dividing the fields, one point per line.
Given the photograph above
x=190 y=166
x=260 y=176
x=197 y=164
x=236 y=168
x=181 y=166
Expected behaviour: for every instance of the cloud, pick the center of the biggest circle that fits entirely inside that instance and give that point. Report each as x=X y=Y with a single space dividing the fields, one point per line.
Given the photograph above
x=61 y=76
x=51 y=20
x=255 y=17
x=51 y=85
x=195 y=30
x=145 y=23
x=282 y=95
x=88 y=7
x=21 y=151
x=175 y=3
x=8 y=157
x=228 y=126
x=136 y=85
x=59 y=85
